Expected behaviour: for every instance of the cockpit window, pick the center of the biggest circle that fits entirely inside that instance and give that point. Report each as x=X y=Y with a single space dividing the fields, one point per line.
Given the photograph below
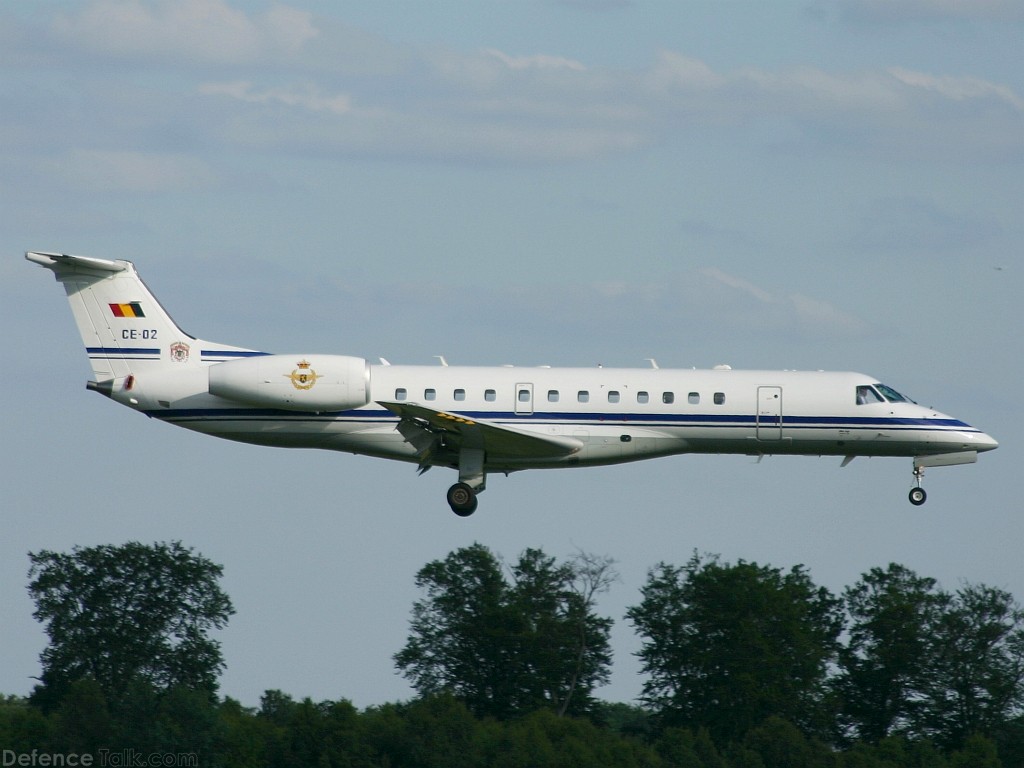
x=867 y=395
x=892 y=395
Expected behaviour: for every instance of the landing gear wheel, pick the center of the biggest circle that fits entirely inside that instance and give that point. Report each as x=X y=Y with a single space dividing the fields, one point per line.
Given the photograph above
x=462 y=499
x=917 y=494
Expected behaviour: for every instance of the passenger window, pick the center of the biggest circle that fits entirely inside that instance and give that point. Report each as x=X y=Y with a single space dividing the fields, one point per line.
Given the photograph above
x=668 y=397
x=552 y=395
x=460 y=394
x=693 y=398
x=719 y=398
x=613 y=396
x=583 y=396
x=430 y=394
x=490 y=395
x=643 y=397
x=524 y=395
x=401 y=393
x=867 y=395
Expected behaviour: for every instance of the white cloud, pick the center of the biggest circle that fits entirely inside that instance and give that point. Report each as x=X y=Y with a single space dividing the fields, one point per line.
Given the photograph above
x=547 y=108
x=673 y=70
x=738 y=284
x=537 y=61
x=811 y=317
x=355 y=93
x=814 y=313
x=187 y=30
x=958 y=88
x=306 y=96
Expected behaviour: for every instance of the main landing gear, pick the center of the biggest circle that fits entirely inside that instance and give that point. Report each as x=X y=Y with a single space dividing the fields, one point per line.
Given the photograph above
x=472 y=481
x=462 y=499
x=917 y=494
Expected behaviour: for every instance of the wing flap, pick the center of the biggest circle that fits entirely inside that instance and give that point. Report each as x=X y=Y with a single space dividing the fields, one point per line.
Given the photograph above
x=498 y=440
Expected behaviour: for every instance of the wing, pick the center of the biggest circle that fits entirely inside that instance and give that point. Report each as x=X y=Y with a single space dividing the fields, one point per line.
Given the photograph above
x=435 y=432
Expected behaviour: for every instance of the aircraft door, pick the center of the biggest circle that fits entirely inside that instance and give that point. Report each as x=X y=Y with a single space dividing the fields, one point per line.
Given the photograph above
x=524 y=399
x=769 y=413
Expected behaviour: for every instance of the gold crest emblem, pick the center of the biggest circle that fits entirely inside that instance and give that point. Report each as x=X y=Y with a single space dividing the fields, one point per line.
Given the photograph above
x=303 y=377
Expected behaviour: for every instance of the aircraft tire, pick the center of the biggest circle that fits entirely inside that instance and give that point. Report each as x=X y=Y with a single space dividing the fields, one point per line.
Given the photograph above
x=462 y=499
x=918 y=496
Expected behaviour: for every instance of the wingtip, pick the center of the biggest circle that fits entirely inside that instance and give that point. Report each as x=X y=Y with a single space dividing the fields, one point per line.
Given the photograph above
x=41 y=257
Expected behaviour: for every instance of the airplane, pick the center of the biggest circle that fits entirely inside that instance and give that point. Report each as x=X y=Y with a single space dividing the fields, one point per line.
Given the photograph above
x=480 y=420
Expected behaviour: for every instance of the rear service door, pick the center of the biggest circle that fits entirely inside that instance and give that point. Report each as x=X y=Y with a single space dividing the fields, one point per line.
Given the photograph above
x=769 y=413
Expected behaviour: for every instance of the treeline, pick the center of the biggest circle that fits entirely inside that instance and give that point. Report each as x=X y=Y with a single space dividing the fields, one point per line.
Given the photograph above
x=746 y=666
x=180 y=728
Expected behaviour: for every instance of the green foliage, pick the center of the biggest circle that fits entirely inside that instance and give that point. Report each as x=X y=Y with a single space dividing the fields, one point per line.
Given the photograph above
x=506 y=660
x=243 y=740
x=507 y=648
x=929 y=664
x=121 y=614
x=975 y=680
x=432 y=732
x=22 y=727
x=893 y=615
x=625 y=719
x=780 y=744
x=726 y=646
x=1009 y=739
x=977 y=752
x=83 y=723
x=683 y=748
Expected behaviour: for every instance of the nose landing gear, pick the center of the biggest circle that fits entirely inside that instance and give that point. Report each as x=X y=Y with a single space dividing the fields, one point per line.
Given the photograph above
x=917 y=494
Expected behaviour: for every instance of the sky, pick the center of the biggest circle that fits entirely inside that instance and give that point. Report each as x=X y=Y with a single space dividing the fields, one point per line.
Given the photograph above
x=803 y=184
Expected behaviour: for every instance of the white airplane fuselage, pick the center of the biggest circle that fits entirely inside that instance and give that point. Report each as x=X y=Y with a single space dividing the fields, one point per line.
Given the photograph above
x=485 y=419
x=621 y=415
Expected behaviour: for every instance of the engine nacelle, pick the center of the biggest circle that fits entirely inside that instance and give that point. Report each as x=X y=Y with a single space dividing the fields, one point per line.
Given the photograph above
x=293 y=382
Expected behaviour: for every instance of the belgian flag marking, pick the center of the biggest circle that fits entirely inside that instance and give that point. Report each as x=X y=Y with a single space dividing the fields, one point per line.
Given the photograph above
x=127 y=310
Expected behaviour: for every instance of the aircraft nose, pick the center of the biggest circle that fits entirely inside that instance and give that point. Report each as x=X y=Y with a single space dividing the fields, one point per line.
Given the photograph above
x=987 y=442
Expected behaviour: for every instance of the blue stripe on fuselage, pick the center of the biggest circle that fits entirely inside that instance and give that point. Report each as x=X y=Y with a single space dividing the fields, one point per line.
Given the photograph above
x=582 y=419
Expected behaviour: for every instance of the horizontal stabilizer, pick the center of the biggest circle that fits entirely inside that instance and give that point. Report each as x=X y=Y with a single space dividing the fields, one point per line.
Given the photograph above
x=62 y=263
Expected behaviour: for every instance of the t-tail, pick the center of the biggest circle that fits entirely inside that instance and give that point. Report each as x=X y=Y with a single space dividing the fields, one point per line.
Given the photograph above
x=126 y=332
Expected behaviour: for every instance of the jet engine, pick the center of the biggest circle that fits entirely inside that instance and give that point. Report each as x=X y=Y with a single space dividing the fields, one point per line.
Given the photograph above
x=293 y=382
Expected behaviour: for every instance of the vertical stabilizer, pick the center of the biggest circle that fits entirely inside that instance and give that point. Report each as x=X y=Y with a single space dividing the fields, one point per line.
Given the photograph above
x=124 y=328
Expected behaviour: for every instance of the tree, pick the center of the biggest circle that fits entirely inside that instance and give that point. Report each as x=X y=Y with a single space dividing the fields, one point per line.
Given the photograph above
x=506 y=648
x=892 y=618
x=975 y=677
x=459 y=633
x=128 y=615
x=564 y=648
x=727 y=646
x=928 y=663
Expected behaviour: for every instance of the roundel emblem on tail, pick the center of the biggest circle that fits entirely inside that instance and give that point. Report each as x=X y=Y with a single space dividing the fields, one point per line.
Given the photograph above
x=179 y=352
x=303 y=377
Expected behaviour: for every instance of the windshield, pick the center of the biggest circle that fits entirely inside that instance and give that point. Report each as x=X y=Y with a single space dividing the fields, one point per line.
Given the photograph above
x=892 y=395
x=866 y=395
